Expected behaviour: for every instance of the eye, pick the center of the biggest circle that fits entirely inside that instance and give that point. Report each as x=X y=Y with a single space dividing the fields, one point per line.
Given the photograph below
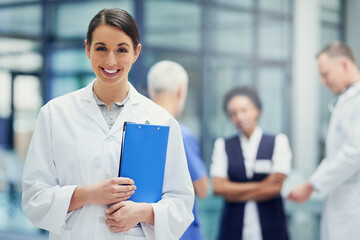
x=101 y=49
x=122 y=50
x=232 y=114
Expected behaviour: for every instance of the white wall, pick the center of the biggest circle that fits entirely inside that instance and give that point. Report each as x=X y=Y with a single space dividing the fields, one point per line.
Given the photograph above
x=305 y=115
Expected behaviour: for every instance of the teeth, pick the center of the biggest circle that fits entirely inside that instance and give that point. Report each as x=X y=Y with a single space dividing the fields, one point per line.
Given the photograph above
x=110 y=71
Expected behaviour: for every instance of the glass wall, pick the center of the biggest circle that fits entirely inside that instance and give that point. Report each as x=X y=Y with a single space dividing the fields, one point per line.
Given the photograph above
x=221 y=44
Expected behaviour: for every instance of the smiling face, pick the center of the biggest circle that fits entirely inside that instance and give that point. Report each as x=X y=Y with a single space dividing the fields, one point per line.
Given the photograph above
x=111 y=54
x=243 y=114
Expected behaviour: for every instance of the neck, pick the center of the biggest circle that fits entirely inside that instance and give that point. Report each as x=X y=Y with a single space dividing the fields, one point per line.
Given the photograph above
x=111 y=94
x=167 y=101
x=249 y=133
x=354 y=76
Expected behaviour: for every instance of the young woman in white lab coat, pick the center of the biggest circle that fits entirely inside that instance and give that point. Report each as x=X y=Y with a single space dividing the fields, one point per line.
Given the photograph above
x=70 y=175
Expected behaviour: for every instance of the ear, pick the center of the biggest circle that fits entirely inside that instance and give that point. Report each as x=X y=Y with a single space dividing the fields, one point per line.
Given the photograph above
x=345 y=63
x=87 y=48
x=179 y=92
x=137 y=52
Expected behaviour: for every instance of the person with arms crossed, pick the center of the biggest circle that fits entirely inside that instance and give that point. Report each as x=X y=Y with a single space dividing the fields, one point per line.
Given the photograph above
x=248 y=171
x=71 y=171
x=338 y=175
x=167 y=86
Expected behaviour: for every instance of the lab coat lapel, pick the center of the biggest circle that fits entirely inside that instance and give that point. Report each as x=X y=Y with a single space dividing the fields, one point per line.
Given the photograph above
x=128 y=113
x=92 y=109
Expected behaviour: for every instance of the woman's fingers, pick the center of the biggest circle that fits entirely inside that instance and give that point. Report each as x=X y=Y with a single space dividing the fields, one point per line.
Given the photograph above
x=125 y=188
x=125 y=194
x=113 y=208
x=122 y=180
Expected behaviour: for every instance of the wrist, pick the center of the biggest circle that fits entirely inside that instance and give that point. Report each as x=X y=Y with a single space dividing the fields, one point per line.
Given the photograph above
x=310 y=187
x=147 y=213
x=79 y=198
x=88 y=194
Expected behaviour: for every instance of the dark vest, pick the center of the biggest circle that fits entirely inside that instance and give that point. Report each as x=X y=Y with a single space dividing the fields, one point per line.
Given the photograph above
x=271 y=212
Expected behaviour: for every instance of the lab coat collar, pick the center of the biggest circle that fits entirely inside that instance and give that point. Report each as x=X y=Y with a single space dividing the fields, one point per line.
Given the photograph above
x=95 y=114
x=353 y=90
x=349 y=93
x=134 y=96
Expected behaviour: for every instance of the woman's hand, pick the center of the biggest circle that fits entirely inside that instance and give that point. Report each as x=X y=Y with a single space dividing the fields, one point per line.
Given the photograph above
x=112 y=191
x=125 y=215
x=107 y=192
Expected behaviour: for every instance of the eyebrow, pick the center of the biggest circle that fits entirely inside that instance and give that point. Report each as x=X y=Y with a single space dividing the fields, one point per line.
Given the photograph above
x=119 y=45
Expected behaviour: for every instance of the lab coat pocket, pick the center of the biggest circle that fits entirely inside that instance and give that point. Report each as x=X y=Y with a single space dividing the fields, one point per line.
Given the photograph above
x=263 y=166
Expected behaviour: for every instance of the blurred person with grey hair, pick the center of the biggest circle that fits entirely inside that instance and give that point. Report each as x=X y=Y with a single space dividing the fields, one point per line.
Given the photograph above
x=338 y=175
x=167 y=86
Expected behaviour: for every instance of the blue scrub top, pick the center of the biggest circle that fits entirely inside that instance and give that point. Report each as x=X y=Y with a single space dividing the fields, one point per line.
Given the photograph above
x=197 y=170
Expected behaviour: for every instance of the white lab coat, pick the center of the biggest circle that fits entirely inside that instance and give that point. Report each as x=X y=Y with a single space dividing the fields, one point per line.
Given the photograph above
x=338 y=176
x=72 y=146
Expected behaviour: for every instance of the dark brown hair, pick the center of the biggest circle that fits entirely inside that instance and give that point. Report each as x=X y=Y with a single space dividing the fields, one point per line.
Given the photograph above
x=115 y=17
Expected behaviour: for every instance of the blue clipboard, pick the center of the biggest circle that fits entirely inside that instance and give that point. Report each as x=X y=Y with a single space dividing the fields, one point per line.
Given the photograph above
x=143 y=158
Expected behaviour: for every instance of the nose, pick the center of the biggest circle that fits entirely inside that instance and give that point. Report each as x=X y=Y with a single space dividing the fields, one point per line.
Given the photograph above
x=239 y=116
x=110 y=59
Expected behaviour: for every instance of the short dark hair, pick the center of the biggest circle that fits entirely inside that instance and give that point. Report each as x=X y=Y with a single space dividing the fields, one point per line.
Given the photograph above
x=249 y=92
x=115 y=17
x=338 y=49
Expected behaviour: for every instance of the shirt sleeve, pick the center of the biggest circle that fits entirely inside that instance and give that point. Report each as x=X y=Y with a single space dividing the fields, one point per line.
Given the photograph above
x=44 y=201
x=282 y=155
x=173 y=213
x=219 y=163
x=332 y=173
x=195 y=163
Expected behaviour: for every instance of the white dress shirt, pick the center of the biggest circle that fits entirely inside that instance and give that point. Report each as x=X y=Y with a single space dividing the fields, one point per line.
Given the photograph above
x=281 y=163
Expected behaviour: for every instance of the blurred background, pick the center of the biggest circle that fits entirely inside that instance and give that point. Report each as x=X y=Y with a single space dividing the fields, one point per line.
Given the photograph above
x=268 y=44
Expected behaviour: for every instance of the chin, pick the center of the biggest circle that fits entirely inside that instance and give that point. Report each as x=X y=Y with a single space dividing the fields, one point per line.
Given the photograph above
x=111 y=82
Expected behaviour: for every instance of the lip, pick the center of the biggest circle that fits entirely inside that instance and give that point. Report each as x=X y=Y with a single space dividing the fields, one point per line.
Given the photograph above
x=243 y=125
x=110 y=75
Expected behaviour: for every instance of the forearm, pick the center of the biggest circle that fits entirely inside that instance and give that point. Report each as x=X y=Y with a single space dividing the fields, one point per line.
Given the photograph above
x=80 y=198
x=257 y=191
x=266 y=192
x=226 y=188
x=261 y=192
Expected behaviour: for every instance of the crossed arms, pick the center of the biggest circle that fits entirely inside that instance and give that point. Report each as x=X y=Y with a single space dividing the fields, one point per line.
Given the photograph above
x=256 y=191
